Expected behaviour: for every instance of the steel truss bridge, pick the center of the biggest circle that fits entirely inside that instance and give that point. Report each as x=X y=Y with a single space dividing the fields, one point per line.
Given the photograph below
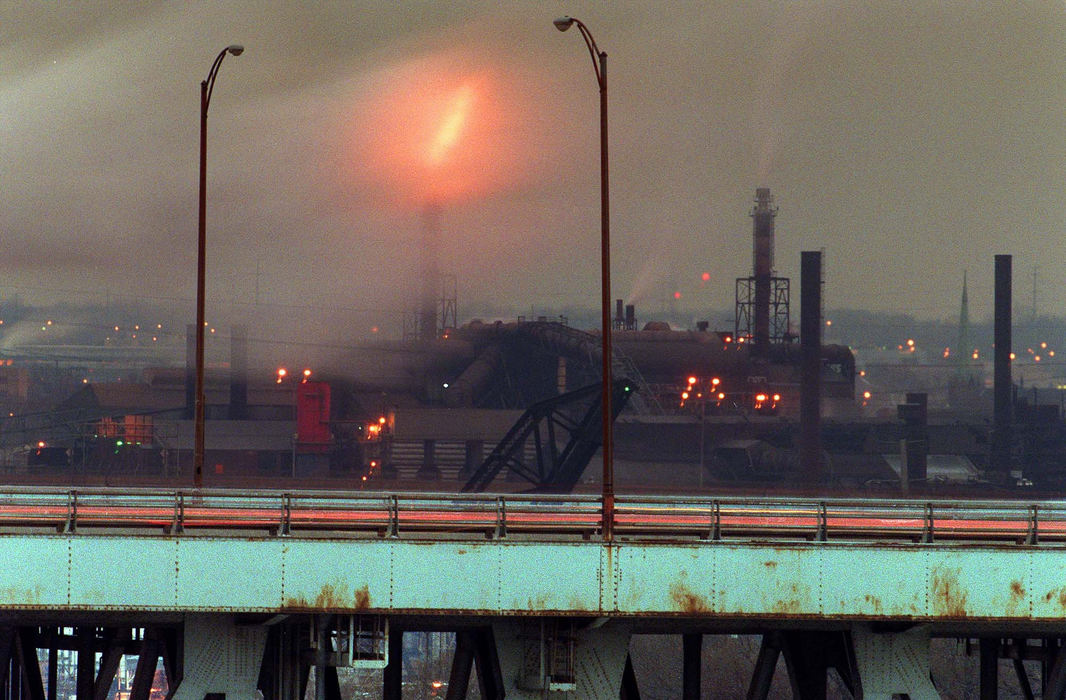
x=235 y=591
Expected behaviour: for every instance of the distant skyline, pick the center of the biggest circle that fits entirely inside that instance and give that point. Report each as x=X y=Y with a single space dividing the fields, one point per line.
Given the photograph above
x=909 y=140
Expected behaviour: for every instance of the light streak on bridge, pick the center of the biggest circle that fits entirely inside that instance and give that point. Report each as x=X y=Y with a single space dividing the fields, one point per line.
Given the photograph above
x=514 y=564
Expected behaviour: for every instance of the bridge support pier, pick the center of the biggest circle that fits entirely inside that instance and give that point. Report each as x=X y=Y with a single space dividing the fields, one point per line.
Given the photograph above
x=873 y=666
x=221 y=657
x=893 y=663
x=545 y=655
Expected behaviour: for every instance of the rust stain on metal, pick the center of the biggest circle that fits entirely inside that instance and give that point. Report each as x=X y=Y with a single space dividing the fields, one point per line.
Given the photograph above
x=25 y=596
x=578 y=605
x=949 y=599
x=328 y=598
x=687 y=600
x=1057 y=592
x=770 y=564
x=362 y=598
x=332 y=598
x=1016 y=589
x=539 y=603
x=875 y=603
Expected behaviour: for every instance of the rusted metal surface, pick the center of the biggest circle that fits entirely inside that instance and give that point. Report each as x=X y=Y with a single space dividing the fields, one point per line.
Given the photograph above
x=804 y=580
x=517 y=555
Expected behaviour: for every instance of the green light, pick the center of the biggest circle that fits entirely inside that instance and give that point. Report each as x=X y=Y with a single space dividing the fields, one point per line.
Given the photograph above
x=119 y=443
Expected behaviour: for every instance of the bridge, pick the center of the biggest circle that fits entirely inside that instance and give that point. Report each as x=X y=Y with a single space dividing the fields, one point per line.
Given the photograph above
x=239 y=591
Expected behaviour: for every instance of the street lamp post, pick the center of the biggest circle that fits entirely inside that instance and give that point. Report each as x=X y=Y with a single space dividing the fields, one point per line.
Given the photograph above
x=599 y=65
x=205 y=99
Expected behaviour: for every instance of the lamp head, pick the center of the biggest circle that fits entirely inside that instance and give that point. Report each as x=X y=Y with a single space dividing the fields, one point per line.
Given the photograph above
x=235 y=49
x=563 y=23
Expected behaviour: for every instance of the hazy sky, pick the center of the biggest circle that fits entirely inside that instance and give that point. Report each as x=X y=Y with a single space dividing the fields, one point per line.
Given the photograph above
x=909 y=140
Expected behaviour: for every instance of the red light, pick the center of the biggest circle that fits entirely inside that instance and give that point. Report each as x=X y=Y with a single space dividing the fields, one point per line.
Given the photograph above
x=729 y=339
x=706 y=276
x=677 y=295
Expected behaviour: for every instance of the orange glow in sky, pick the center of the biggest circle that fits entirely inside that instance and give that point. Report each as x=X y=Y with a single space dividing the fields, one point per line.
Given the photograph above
x=440 y=129
x=451 y=128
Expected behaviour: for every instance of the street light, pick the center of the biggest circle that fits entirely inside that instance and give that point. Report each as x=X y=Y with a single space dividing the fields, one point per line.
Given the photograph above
x=206 y=88
x=599 y=65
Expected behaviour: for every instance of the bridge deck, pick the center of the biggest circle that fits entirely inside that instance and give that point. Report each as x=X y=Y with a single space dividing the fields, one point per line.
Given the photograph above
x=718 y=560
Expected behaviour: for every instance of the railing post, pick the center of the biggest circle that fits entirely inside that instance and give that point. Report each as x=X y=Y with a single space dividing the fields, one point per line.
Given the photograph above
x=72 y=512
x=178 y=526
x=394 y=517
x=927 y=530
x=286 y=515
x=822 y=534
x=716 y=520
x=1033 y=536
x=501 y=517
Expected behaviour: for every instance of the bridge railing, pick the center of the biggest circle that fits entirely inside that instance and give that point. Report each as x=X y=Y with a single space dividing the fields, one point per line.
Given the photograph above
x=366 y=514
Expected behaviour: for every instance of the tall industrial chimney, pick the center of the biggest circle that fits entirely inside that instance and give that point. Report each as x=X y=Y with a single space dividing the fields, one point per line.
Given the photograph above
x=1001 y=378
x=431 y=279
x=811 y=466
x=762 y=216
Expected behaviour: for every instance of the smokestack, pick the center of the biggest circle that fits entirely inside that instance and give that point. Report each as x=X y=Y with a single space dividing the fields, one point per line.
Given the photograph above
x=190 y=371
x=619 y=319
x=431 y=281
x=762 y=263
x=238 y=373
x=631 y=317
x=1001 y=390
x=811 y=467
x=915 y=416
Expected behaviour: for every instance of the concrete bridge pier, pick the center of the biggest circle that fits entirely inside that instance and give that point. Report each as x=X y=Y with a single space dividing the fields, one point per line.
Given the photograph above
x=221 y=657
x=873 y=665
x=562 y=658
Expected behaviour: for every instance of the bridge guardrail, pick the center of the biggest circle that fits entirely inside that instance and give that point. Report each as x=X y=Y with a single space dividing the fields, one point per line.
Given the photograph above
x=330 y=513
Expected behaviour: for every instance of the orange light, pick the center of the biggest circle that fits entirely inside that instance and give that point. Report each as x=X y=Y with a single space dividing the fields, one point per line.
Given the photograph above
x=684 y=394
x=866 y=394
x=777 y=397
x=716 y=381
x=282 y=371
x=41 y=444
x=975 y=354
x=1012 y=356
x=721 y=395
x=740 y=339
x=760 y=397
x=729 y=339
x=910 y=342
x=381 y=420
x=373 y=463
x=692 y=380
